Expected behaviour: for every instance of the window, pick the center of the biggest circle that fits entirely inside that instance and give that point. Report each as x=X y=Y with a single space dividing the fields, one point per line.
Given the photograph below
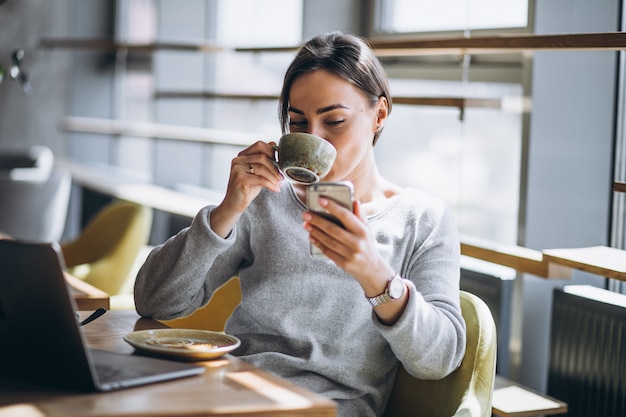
x=452 y=15
x=473 y=163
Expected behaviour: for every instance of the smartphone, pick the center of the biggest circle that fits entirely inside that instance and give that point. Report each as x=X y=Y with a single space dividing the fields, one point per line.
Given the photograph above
x=341 y=192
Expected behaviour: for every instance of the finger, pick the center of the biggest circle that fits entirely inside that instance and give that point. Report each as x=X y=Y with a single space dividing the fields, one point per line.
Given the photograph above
x=265 y=169
x=327 y=235
x=334 y=249
x=258 y=164
x=356 y=208
x=246 y=181
x=260 y=147
x=347 y=218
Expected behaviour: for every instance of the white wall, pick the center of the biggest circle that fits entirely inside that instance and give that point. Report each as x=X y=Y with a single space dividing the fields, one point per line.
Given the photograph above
x=32 y=119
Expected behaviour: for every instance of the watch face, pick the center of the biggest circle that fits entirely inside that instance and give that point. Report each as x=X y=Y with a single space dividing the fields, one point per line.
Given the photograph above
x=396 y=288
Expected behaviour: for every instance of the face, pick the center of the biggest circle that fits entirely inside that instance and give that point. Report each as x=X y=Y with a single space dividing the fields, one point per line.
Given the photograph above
x=326 y=105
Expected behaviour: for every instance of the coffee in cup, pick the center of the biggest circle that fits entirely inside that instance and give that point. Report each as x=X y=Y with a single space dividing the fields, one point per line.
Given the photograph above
x=305 y=158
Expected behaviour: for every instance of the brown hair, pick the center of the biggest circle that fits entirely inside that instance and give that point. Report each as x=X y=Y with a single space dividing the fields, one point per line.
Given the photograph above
x=345 y=55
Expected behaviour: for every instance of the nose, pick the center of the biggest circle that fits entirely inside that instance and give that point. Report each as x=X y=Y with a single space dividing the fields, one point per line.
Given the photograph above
x=315 y=129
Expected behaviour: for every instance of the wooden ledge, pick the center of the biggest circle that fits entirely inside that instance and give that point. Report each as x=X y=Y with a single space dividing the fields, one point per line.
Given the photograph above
x=514 y=400
x=157 y=131
x=600 y=260
x=522 y=259
x=111 y=182
x=550 y=263
x=86 y=296
x=108 y=45
x=553 y=263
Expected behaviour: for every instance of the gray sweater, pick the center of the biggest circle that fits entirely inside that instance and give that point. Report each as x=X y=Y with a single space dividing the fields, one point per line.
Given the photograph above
x=307 y=320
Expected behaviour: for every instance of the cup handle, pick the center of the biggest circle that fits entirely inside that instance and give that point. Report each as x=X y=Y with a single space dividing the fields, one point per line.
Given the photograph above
x=275 y=160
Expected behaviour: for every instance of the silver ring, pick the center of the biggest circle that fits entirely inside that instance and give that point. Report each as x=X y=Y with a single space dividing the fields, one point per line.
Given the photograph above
x=251 y=169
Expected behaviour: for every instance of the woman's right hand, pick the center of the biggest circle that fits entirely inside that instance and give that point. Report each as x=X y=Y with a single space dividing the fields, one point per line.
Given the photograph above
x=251 y=170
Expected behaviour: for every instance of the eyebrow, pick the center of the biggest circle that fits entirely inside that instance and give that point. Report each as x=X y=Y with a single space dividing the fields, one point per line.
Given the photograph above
x=321 y=110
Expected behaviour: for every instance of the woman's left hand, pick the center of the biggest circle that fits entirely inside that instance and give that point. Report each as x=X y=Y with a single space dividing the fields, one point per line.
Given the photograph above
x=351 y=247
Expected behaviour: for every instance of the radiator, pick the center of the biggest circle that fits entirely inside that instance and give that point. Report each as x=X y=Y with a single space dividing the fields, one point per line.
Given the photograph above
x=493 y=284
x=587 y=367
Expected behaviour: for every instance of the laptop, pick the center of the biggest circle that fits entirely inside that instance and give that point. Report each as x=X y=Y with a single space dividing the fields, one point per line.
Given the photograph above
x=41 y=342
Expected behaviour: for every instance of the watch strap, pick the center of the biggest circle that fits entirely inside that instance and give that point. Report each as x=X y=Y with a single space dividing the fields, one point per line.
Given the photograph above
x=379 y=299
x=384 y=297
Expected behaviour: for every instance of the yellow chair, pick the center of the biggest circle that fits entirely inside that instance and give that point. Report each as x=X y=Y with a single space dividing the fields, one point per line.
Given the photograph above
x=212 y=316
x=104 y=253
x=465 y=392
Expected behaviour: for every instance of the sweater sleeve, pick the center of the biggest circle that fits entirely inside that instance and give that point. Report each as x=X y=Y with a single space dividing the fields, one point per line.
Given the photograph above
x=429 y=337
x=180 y=275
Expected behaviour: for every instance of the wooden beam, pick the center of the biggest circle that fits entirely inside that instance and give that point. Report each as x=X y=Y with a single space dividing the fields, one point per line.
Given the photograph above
x=457 y=102
x=606 y=41
x=212 y=95
x=603 y=41
x=107 y=45
x=619 y=187
x=600 y=41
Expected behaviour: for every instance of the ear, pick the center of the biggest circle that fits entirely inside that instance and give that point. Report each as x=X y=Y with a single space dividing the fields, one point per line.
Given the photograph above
x=382 y=110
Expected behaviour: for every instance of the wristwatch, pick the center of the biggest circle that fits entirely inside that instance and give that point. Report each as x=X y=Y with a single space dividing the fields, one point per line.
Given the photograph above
x=395 y=289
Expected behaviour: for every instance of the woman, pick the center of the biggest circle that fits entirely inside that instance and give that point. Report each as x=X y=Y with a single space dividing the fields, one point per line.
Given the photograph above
x=391 y=292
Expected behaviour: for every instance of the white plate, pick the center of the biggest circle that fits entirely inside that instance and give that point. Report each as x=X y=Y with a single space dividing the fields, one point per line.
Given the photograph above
x=183 y=343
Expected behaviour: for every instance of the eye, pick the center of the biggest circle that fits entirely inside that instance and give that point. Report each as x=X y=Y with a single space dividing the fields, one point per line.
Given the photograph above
x=336 y=122
x=297 y=123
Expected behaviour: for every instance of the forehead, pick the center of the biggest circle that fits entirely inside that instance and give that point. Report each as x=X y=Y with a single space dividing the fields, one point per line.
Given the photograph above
x=324 y=88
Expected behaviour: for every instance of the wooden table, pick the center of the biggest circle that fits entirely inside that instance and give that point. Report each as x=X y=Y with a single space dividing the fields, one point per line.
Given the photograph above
x=229 y=387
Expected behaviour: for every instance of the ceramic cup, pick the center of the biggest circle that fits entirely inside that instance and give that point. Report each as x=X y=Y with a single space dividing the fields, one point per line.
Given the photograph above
x=305 y=158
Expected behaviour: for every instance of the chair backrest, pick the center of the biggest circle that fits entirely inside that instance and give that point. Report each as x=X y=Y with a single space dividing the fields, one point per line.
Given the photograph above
x=465 y=392
x=212 y=316
x=104 y=253
x=35 y=208
x=32 y=164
